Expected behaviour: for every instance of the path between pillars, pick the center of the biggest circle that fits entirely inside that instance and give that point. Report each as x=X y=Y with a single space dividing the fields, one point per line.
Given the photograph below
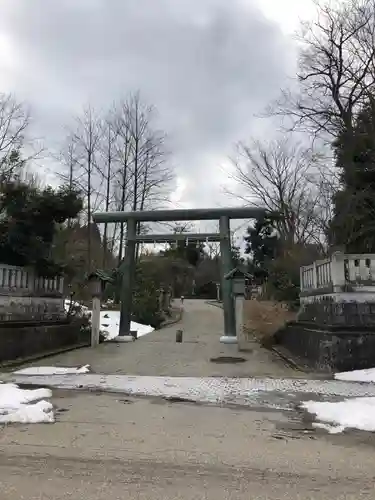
x=158 y=354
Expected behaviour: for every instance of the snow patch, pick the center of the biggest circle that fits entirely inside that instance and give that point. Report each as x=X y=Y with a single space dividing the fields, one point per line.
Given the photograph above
x=15 y=405
x=357 y=375
x=52 y=370
x=78 y=308
x=109 y=321
x=110 y=325
x=354 y=413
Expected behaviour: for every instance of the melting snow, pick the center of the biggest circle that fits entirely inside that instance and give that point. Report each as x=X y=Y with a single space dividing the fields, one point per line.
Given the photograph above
x=52 y=370
x=357 y=375
x=110 y=323
x=354 y=413
x=24 y=405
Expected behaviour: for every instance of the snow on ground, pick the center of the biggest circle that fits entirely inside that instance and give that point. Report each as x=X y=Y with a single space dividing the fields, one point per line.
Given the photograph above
x=68 y=304
x=355 y=413
x=110 y=321
x=357 y=375
x=24 y=405
x=52 y=370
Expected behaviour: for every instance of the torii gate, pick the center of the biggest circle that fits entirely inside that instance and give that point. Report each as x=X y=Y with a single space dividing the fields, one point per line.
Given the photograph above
x=224 y=215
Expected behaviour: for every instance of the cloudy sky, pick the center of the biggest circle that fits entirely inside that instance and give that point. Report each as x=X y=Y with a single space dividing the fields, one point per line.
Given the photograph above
x=209 y=66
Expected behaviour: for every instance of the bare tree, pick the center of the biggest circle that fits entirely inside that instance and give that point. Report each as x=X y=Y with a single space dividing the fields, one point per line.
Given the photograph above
x=336 y=69
x=279 y=176
x=124 y=156
x=14 y=120
x=144 y=175
x=86 y=139
x=119 y=163
x=212 y=250
x=108 y=154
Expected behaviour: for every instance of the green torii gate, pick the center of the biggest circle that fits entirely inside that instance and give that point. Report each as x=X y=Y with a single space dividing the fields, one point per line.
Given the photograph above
x=224 y=215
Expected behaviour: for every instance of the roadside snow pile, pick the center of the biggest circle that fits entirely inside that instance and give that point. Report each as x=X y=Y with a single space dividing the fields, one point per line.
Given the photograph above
x=25 y=406
x=52 y=370
x=335 y=417
x=357 y=375
x=109 y=321
x=354 y=413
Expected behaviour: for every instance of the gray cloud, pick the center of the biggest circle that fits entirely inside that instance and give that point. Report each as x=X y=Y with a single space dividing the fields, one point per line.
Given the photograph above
x=208 y=66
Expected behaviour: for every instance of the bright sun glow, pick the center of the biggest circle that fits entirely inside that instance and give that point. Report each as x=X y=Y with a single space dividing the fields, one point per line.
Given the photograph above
x=6 y=51
x=177 y=195
x=287 y=13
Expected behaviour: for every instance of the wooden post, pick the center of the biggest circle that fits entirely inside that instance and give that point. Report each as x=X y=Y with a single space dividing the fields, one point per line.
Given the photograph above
x=95 y=321
x=179 y=334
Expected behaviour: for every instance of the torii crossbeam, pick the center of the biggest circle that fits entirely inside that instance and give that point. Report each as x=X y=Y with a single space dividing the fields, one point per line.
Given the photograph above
x=170 y=238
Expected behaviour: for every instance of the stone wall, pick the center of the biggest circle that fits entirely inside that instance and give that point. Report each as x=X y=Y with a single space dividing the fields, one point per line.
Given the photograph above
x=21 y=340
x=328 y=312
x=329 y=348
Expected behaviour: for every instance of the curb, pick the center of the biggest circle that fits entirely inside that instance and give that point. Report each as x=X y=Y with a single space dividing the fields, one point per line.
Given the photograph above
x=279 y=351
x=304 y=368
x=214 y=303
x=29 y=359
x=289 y=361
x=172 y=321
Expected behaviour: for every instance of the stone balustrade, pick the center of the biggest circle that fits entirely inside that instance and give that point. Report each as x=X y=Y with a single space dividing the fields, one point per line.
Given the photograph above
x=341 y=277
x=26 y=296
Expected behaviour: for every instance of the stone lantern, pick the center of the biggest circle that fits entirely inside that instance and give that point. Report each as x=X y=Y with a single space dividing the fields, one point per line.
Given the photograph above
x=96 y=284
x=238 y=277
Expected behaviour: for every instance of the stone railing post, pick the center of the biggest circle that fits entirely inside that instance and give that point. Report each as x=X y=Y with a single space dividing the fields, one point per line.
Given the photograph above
x=338 y=271
x=315 y=277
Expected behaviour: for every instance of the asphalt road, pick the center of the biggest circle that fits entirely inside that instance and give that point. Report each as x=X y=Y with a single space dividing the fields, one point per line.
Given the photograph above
x=107 y=446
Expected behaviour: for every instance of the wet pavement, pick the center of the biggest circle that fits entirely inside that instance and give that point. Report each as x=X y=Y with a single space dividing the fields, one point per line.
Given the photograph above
x=107 y=445
x=267 y=393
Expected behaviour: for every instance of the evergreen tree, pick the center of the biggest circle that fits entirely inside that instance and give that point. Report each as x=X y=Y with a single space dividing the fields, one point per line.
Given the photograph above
x=353 y=224
x=263 y=244
x=28 y=220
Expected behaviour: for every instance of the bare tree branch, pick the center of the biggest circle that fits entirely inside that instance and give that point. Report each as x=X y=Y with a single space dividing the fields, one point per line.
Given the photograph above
x=336 y=69
x=278 y=176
